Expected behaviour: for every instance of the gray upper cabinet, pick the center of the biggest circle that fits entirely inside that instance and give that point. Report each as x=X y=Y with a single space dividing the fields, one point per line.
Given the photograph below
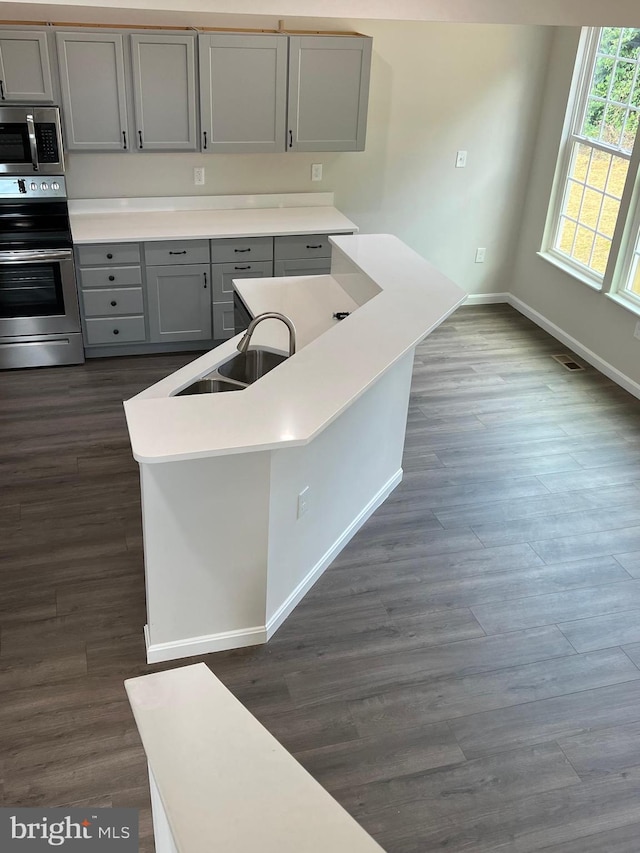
x=243 y=90
x=92 y=83
x=328 y=92
x=179 y=299
x=25 y=73
x=164 y=92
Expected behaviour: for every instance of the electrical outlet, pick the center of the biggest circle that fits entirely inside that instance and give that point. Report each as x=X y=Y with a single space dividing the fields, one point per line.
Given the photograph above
x=461 y=159
x=636 y=331
x=316 y=172
x=198 y=176
x=480 y=255
x=303 y=502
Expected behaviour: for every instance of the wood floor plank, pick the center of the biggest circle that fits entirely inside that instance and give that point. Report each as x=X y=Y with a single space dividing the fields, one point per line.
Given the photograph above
x=548 y=719
x=482 y=785
x=435 y=700
x=601 y=632
x=630 y=562
x=369 y=675
x=600 y=544
x=596 y=754
x=578 y=604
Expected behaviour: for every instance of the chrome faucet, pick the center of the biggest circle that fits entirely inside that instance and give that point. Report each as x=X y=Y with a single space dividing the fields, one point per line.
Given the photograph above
x=243 y=345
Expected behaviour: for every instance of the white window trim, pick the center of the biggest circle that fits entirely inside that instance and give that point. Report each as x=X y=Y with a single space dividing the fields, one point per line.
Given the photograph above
x=620 y=256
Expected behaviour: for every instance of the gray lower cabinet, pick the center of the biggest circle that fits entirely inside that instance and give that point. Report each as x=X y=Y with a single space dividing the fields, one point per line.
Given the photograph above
x=164 y=92
x=25 y=70
x=111 y=295
x=223 y=276
x=93 y=88
x=179 y=300
x=243 y=92
x=328 y=92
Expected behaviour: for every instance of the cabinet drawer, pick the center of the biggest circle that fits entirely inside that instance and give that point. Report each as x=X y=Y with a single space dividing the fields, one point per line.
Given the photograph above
x=113 y=301
x=109 y=253
x=177 y=252
x=119 y=330
x=110 y=276
x=223 y=275
x=302 y=246
x=242 y=249
x=304 y=266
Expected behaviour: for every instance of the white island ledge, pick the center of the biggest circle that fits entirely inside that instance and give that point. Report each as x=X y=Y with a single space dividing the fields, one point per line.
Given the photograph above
x=228 y=554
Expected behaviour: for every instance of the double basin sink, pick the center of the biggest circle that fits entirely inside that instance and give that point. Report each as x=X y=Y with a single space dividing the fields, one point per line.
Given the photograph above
x=236 y=374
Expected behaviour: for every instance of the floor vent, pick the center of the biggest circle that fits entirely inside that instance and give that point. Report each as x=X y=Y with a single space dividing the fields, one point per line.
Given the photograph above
x=568 y=362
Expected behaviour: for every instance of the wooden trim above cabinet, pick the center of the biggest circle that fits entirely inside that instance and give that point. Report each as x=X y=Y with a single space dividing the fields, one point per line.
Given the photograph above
x=179 y=28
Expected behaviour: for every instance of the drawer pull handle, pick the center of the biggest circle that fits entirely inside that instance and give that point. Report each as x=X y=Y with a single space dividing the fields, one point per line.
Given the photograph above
x=124 y=139
x=183 y=252
x=248 y=267
x=109 y=255
x=205 y=281
x=290 y=139
x=319 y=246
x=112 y=278
x=205 y=140
x=240 y=251
x=140 y=138
x=2 y=94
x=116 y=331
x=113 y=303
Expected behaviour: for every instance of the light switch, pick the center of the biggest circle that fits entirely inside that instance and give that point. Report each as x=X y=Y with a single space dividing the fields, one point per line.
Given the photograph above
x=316 y=172
x=461 y=159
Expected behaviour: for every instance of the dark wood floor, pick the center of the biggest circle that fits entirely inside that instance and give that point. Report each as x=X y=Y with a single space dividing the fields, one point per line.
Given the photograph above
x=465 y=677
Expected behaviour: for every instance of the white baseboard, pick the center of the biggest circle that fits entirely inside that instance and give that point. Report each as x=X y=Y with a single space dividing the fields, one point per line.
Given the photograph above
x=486 y=298
x=255 y=635
x=329 y=556
x=588 y=355
x=205 y=645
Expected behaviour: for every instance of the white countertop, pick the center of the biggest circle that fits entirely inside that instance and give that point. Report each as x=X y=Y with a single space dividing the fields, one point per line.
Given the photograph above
x=225 y=783
x=301 y=397
x=141 y=220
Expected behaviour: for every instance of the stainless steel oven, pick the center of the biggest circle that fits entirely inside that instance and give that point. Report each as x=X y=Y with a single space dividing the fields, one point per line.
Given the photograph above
x=30 y=141
x=39 y=316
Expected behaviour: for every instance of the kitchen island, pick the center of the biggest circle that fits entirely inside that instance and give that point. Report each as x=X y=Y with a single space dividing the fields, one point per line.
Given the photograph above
x=248 y=496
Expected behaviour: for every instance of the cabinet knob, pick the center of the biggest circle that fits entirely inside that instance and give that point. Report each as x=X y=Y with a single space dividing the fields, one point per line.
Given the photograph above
x=113 y=303
x=109 y=255
x=116 y=331
x=112 y=278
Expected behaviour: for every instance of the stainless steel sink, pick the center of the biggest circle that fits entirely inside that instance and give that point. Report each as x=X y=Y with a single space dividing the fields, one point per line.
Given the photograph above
x=248 y=366
x=210 y=385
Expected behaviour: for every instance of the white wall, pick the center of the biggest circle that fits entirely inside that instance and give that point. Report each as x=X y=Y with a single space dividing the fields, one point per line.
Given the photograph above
x=435 y=88
x=590 y=317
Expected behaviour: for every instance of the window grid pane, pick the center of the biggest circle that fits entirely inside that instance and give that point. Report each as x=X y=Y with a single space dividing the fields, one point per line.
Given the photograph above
x=590 y=206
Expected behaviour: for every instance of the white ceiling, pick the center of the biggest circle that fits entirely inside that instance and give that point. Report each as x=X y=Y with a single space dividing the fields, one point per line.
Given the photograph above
x=266 y=13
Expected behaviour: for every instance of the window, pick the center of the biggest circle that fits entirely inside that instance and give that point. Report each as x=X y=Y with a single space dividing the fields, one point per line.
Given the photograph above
x=591 y=209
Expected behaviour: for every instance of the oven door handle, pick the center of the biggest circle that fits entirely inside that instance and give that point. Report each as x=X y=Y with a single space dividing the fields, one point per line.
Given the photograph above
x=31 y=128
x=41 y=256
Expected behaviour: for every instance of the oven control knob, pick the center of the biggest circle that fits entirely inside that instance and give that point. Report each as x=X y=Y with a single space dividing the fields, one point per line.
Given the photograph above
x=55 y=185
x=33 y=185
x=44 y=185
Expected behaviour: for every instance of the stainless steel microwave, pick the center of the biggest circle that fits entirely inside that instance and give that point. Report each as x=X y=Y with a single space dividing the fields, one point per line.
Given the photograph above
x=30 y=141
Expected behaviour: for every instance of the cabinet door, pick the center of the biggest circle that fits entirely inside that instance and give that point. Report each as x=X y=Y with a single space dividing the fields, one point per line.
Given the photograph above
x=328 y=92
x=92 y=83
x=25 y=72
x=223 y=321
x=243 y=91
x=179 y=300
x=164 y=92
